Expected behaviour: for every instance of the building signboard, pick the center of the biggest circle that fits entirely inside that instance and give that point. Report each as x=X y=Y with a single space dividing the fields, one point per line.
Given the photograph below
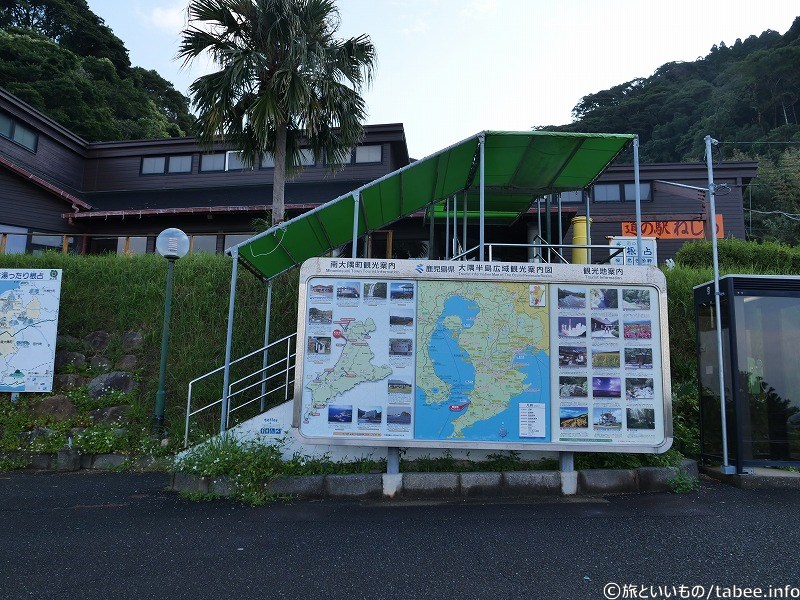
x=673 y=230
x=483 y=355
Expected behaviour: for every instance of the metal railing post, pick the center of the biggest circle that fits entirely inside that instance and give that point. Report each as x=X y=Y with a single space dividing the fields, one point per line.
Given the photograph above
x=265 y=361
x=226 y=378
x=482 y=228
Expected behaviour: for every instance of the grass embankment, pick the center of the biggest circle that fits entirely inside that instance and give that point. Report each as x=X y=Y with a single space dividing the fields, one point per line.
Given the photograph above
x=119 y=294
x=126 y=293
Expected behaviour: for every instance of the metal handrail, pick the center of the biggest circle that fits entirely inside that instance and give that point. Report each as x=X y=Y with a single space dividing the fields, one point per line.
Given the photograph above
x=287 y=361
x=613 y=252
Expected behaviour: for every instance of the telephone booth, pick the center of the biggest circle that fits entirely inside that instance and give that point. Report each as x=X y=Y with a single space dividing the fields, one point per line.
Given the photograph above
x=761 y=356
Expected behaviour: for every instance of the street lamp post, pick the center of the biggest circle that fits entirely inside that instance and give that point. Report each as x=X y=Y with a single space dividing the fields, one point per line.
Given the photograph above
x=172 y=244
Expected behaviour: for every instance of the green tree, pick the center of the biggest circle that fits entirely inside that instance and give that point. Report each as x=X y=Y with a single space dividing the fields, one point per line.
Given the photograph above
x=69 y=23
x=283 y=76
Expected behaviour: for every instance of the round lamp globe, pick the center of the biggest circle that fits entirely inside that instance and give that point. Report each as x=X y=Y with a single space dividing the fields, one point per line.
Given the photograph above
x=172 y=243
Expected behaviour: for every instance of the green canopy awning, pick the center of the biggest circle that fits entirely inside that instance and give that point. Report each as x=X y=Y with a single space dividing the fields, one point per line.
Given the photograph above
x=518 y=168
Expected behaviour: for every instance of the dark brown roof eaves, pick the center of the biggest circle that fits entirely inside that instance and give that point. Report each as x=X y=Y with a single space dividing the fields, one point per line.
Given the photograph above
x=189 y=210
x=53 y=189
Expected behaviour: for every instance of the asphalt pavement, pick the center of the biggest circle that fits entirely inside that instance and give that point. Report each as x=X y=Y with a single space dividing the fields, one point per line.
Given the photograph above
x=122 y=535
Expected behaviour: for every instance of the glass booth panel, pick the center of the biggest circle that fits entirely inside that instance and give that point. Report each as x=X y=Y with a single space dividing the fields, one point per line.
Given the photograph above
x=710 y=416
x=768 y=339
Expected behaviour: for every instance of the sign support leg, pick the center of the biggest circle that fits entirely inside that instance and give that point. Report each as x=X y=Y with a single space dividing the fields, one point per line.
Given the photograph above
x=569 y=477
x=392 y=461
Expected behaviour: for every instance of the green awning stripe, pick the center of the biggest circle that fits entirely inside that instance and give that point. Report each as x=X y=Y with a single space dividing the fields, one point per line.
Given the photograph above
x=519 y=167
x=566 y=163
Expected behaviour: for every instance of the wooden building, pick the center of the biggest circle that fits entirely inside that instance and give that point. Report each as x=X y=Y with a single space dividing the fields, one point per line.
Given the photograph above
x=59 y=191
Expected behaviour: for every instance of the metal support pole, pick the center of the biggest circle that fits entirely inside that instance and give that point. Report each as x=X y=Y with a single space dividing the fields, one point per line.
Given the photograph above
x=638 y=195
x=455 y=226
x=482 y=227
x=588 y=229
x=356 y=200
x=464 y=226
x=548 y=225
x=431 y=237
x=560 y=226
x=712 y=225
x=447 y=229
x=226 y=374
x=158 y=423
x=265 y=361
x=539 y=218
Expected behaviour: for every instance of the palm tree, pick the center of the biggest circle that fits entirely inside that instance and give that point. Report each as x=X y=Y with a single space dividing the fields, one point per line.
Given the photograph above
x=284 y=78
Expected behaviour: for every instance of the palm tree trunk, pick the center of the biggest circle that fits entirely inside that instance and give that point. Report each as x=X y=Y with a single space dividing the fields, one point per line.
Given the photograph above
x=279 y=179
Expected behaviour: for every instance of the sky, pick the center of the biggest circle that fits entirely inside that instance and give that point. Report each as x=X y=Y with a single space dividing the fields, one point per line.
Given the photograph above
x=448 y=69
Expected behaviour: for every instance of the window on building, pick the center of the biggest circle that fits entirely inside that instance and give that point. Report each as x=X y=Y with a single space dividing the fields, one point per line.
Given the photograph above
x=345 y=159
x=6 y=124
x=132 y=245
x=607 y=192
x=180 y=164
x=572 y=196
x=204 y=243
x=152 y=165
x=14 y=244
x=19 y=133
x=621 y=192
x=238 y=238
x=630 y=192
x=306 y=159
x=369 y=154
x=212 y=162
x=25 y=137
x=233 y=161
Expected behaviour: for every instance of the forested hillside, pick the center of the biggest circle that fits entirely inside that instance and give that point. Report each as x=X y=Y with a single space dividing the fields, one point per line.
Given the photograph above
x=746 y=95
x=749 y=91
x=61 y=58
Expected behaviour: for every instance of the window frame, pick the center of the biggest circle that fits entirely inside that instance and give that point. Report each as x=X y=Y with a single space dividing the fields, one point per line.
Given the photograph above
x=622 y=192
x=202 y=158
x=169 y=161
x=11 y=136
x=368 y=162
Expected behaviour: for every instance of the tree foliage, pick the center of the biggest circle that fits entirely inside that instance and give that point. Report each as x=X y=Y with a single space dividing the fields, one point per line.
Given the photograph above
x=61 y=58
x=746 y=95
x=284 y=75
x=747 y=92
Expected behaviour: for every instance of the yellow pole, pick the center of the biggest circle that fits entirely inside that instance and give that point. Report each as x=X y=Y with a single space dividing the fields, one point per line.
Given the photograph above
x=3 y=240
x=579 y=238
x=64 y=244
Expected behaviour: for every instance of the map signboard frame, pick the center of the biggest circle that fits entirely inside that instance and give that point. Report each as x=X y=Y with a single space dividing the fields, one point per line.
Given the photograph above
x=29 y=307
x=597 y=336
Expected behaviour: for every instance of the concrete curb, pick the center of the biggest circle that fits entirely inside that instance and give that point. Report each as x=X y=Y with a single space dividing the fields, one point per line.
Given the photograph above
x=756 y=480
x=68 y=459
x=412 y=486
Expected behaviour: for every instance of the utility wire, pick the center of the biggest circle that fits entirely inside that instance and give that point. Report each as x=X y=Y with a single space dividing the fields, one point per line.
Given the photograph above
x=792 y=216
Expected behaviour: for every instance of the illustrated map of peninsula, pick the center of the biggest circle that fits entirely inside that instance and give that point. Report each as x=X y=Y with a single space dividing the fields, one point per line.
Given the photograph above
x=354 y=366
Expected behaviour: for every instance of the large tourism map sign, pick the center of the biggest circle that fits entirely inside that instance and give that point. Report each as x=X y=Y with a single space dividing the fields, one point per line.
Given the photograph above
x=483 y=355
x=29 y=300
